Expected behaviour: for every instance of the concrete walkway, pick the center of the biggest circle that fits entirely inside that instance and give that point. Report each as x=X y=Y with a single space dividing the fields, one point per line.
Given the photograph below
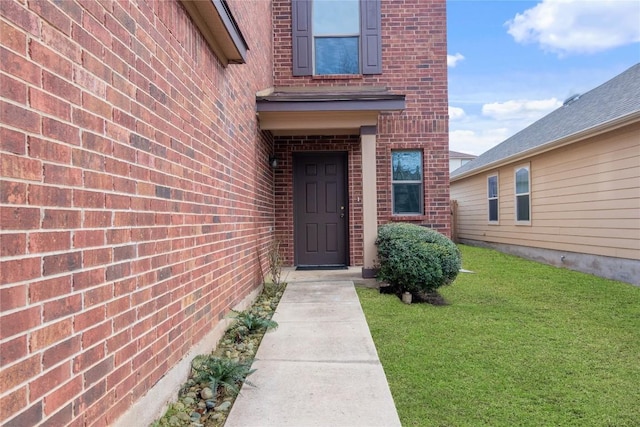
x=320 y=367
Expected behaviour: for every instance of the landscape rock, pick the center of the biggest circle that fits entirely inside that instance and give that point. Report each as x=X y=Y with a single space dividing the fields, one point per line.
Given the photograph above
x=224 y=406
x=207 y=393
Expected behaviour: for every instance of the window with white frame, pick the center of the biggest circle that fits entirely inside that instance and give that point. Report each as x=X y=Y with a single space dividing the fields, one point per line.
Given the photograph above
x=523 y=194
x=406 y=182
x=492 y=197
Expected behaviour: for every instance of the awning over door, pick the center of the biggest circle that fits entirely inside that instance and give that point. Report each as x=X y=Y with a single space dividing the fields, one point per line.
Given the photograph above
x=324 y=110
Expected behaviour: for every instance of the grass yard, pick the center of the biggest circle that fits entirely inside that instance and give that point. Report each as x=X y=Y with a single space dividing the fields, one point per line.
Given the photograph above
x=519 y=344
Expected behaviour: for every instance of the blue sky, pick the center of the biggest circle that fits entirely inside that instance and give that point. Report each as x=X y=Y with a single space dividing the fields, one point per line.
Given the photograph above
x=512 y=62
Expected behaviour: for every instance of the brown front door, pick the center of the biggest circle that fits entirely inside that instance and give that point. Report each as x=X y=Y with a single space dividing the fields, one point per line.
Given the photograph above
x=320 y=209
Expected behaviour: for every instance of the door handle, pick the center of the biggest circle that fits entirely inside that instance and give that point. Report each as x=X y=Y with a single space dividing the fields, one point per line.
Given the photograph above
x=341 y=211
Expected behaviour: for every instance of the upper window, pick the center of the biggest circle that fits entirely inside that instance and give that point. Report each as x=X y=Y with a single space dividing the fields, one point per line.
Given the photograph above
x=406 y=182
x=523 y=194
x=336 y=34
x=336 y=37
x=492 y=197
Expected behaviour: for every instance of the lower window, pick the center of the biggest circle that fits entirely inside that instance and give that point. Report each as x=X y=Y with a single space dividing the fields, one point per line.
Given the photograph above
x=406 y=182
x=523 y=194
x=492 y=196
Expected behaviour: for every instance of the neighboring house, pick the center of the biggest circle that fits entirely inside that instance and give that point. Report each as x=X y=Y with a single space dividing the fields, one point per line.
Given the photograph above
x=457 y=159
x=152 y=151
x=565 y=190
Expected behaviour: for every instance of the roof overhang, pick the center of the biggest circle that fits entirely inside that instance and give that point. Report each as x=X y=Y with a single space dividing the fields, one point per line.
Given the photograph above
x=219 y=28
x=609 y=126
x=316 y=111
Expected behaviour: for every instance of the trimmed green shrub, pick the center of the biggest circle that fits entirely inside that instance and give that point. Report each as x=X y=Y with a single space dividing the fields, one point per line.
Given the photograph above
x=416 y=259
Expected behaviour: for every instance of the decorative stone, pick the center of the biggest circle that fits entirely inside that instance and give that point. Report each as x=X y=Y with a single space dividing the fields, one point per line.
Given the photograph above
x=189 y=400
x=206 y=393
x=224 y=406
x=406 y=298
x=210 y=404
x=183 y=416
x=178 y=406
x=195 y=416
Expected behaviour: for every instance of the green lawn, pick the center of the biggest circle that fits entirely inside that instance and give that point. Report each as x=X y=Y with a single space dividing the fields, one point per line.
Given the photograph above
x=519 y=344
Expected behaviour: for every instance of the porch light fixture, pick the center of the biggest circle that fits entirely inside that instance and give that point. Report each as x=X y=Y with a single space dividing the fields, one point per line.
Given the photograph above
x=273 y=162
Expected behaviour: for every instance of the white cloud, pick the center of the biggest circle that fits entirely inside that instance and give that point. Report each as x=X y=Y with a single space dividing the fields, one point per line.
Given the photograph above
x=456 y=113
x=476 y=142
x=578 y=26
x=520 y=109
x=477 y=130
x=452 y=60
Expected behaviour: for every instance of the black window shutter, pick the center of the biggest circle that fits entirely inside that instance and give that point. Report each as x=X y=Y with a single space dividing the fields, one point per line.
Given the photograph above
x=302 y=37
x=370 y=36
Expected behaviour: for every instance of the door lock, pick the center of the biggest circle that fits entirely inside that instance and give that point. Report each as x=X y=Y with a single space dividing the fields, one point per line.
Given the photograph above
x=341 y=211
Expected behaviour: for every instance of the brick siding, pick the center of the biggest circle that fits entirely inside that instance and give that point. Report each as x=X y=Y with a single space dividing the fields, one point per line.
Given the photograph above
x=135 y=198
x=414 y=63
x=135 y=193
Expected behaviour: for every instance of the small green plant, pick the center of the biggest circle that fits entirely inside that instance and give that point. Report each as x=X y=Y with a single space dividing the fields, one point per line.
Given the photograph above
x=223 y=375
x=248 y=322
x=416 y=259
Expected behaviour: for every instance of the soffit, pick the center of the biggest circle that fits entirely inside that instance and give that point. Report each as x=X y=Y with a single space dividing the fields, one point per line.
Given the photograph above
x=216 y=23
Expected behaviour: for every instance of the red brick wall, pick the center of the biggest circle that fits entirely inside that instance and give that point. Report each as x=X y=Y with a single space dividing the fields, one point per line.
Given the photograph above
x=135 y=197
x=414 y=63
